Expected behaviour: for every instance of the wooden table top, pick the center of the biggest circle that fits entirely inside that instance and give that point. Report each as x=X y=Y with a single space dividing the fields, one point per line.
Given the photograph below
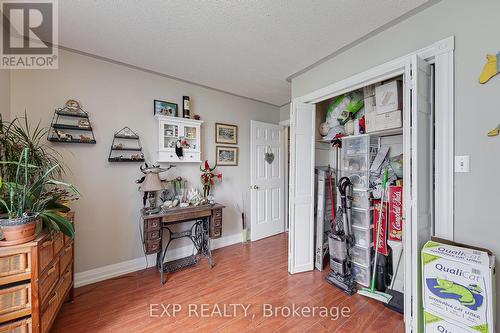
x=183 y=210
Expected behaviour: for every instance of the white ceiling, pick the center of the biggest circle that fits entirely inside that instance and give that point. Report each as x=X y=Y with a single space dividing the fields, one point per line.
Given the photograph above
x=247 y=48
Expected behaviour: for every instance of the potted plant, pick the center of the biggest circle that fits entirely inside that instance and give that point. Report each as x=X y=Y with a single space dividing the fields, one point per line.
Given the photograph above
x=32 y=195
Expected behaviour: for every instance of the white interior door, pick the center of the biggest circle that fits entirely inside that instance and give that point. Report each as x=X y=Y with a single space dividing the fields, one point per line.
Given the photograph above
x=267 y=180
x=301 y=190
x=419 y=196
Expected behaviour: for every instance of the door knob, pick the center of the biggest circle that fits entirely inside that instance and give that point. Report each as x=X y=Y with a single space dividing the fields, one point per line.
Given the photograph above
x=255 y=187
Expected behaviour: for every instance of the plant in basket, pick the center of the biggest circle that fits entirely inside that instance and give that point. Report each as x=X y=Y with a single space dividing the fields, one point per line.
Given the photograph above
x=31 y=195
x=208 y=178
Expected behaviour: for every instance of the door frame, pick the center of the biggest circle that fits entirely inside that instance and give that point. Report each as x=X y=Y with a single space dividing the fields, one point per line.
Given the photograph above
x=441 y=54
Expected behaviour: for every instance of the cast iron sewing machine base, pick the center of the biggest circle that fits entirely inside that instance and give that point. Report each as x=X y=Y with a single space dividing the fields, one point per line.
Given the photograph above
x=199 y=235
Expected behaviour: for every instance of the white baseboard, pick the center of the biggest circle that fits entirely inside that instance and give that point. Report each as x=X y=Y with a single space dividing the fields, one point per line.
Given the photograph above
x=133 y=265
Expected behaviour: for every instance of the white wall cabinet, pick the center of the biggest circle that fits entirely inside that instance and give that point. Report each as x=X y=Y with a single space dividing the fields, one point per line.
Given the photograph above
x=173 y=129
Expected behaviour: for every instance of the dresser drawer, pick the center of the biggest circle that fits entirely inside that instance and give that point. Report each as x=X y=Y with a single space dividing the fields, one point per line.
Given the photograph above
x=153 y=235
x=18 y=326
x=45 y=253
x=48 y=280
x=153 y=246
x=217 y=222
x=58 y=243
x=15 y=267
x=217 y=232
x=153 y=224
x=15 y=301
x=66 y=256
x=49 y=309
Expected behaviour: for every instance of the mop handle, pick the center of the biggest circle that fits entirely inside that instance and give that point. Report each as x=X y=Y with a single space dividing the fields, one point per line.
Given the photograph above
x=331 y=198
x=379 y=229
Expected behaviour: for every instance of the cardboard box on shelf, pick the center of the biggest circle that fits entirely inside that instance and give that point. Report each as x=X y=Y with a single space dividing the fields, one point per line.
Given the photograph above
x=389 y=96
x=436 y=324
x=459 y=284
x=379 y=122
x=370 y=105
x=396 y=213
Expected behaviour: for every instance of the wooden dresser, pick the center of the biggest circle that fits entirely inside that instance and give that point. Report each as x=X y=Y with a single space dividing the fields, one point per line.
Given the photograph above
x=35 y=280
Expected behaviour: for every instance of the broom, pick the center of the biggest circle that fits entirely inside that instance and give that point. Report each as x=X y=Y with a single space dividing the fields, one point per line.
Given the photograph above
x=371 y=292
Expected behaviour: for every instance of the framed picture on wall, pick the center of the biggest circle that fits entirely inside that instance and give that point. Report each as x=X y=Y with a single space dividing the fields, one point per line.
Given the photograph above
x=225 y=133
x=226 y=155
x=165 y=108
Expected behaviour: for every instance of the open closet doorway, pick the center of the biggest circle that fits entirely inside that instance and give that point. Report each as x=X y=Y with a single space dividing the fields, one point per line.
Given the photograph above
x=426 y=110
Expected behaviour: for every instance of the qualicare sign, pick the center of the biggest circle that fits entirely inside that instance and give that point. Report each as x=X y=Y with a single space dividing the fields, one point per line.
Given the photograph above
x=29 y=34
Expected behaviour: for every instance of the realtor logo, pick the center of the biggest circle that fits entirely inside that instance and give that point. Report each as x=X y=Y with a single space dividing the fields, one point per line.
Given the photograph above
x=29 y=33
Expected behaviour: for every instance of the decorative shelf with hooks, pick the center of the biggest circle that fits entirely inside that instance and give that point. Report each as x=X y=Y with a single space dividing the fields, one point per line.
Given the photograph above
x=126 y=147
x=65 y=129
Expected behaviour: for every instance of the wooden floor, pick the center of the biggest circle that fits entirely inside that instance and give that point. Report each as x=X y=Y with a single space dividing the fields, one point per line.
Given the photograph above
x=252 y=274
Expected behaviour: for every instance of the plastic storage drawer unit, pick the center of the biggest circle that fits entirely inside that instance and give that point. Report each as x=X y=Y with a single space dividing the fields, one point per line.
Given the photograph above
x=363 y=236
x=359 y=144
x=361 y=255
x=355 y=163
x=361 y=199
x=362 y=274
x=361 y=217
x=359 y=179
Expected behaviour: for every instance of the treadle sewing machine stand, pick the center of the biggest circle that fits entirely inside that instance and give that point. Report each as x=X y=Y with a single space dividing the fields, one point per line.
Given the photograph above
x=208 y=224
x=199 y=235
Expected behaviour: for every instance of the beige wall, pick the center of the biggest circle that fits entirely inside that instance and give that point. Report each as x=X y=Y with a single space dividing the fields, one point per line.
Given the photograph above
x=475 y=26
x=117 y=96
x=285 y=112
x=5 y=93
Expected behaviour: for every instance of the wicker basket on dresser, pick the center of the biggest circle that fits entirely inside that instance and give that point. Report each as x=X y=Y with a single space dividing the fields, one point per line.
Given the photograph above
x=35 y=280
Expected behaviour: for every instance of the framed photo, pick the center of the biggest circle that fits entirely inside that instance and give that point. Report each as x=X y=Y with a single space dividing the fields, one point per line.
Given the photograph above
x=225 y=133
x=226 y=155
x=165 y=108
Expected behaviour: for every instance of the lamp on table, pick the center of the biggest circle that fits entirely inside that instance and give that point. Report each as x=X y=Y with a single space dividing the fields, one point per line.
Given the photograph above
x=151 y=185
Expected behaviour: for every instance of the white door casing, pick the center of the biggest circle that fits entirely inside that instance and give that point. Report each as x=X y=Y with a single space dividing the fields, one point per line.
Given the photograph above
x=419 y=173
x=301 y=190
x=267 y=180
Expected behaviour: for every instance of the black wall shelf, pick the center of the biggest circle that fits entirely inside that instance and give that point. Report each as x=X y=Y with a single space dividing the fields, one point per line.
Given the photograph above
x=61 y=120
x=129 y=151
x=71 y=140
x=71 y=127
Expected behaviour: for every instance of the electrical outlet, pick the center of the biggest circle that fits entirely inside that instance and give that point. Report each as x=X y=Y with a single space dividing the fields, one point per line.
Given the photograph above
x=462 y=163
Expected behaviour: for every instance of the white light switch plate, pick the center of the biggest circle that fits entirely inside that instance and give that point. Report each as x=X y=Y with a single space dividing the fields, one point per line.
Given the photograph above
x=462 y=163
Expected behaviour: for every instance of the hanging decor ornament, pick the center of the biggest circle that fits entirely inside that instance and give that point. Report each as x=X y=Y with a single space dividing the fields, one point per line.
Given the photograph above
x=269 y=155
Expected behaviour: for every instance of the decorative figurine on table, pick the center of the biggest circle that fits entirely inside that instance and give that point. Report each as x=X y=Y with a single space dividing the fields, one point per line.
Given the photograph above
x=208 y=178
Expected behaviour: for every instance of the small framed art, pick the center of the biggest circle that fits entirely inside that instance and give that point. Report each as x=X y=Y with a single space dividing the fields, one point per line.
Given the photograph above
x=226 y=155
x=225 y=133
x=165 y=108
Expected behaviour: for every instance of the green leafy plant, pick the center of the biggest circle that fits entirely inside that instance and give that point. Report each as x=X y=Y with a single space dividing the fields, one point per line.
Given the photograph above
x=33 y=192
x=17 y=135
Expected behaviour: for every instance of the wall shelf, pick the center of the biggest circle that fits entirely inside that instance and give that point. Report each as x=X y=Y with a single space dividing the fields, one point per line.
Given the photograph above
x=71 y=127
x=56 y=139
x=63 y=120
x=128 y=150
